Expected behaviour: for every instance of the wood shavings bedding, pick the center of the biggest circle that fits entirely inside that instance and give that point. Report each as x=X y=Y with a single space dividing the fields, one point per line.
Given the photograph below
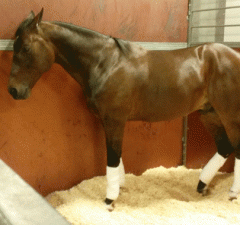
x=159 y=196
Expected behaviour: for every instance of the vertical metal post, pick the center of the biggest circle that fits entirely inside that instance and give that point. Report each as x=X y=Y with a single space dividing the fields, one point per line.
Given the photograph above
x=185 y=119
x=189 y=36
x=220 y=21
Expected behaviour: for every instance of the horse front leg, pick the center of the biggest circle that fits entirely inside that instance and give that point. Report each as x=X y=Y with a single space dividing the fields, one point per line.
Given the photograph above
x=114 y=130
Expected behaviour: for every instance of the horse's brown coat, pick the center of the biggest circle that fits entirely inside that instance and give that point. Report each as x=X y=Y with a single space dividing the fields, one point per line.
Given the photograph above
x=123 y=81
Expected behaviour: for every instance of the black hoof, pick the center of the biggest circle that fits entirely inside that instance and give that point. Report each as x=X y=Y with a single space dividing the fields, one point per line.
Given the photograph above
x=108 y=201
x=109 y=204
x=201 y=188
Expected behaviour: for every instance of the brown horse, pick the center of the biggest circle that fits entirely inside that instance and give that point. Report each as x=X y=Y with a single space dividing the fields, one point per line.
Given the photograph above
x=123 y=81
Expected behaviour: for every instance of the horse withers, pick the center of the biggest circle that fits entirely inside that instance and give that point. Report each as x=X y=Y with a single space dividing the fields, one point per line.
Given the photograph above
x=123 y=81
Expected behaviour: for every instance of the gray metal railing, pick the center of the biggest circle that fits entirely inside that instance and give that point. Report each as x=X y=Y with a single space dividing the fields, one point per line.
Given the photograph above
x=201 y=33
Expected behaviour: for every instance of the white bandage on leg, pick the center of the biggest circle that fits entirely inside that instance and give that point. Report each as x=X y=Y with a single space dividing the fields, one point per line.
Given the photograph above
x=121 y=173
x=209 y=171
x=236 y=183
x=113 y=182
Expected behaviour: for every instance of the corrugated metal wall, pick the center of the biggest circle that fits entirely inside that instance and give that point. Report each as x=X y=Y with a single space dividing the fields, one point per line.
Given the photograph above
x=51 y=139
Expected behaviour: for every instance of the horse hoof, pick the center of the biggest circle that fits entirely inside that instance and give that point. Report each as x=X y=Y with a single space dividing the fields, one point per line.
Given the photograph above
x=109 y=204
x=232 y=195
x=202 y=188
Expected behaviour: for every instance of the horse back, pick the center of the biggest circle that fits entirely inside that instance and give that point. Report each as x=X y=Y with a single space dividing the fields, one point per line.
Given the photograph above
x=163 y=85
x=175 y=84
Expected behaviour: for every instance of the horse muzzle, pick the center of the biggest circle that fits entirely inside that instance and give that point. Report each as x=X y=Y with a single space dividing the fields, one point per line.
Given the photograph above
x=19 y=93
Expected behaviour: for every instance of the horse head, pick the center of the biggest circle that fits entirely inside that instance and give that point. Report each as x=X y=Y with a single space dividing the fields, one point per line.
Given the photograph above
x=33 y=55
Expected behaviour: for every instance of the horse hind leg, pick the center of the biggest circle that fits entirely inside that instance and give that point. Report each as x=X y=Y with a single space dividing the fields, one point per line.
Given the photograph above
x=121 y=173
x=224 y=148
x=233 y=131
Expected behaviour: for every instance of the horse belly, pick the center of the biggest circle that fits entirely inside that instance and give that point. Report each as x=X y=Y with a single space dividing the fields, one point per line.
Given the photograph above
x=167 y=103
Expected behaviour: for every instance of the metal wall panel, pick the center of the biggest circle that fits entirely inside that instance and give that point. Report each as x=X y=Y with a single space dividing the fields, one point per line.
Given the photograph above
x=214 y=21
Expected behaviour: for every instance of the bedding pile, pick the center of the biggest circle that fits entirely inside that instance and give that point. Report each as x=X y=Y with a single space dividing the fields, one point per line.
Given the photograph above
x=159 y=196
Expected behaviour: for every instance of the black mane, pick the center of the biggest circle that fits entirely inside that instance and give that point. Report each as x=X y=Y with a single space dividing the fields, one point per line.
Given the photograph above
x=121 y=44
x=79 y=29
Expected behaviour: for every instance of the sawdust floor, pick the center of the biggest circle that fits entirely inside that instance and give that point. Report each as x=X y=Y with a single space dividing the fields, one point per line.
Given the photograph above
x=159 y=196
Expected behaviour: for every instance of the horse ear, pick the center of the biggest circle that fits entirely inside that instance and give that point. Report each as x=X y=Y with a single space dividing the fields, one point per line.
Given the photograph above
x=31 y=15
x=36 y=20
x=38 y=17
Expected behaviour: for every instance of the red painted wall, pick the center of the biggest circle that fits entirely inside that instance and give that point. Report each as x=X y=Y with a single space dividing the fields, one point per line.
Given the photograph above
x=201 y=146
x=138 y=20
x=51 y=139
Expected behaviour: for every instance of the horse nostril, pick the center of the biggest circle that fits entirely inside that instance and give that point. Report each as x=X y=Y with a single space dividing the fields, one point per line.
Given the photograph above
x=13 y=92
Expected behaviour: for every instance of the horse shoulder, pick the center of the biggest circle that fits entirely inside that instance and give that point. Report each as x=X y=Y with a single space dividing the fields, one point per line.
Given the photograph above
x=117 y=85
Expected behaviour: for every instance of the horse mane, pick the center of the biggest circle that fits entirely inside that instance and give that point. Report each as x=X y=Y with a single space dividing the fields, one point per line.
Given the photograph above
x=122 y=45
x=79 y=29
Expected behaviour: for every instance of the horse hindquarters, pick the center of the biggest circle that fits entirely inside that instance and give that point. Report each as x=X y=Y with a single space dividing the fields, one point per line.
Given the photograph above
x=224 y=96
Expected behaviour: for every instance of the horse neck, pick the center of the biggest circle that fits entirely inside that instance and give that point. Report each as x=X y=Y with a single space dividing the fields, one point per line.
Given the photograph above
x=77 y=49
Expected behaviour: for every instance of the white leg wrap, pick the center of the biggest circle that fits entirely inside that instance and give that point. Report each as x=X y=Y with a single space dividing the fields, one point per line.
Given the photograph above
x=209 y=171
x=236 y=183
x=121 y=173
x=113 y=182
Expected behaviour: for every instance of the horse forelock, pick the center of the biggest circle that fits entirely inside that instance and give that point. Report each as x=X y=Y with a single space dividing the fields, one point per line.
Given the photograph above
x=23 y=26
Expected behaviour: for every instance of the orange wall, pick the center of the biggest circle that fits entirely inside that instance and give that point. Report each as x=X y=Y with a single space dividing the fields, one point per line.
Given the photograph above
x=51 y=139
x=138 y=20
x=201 y=146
